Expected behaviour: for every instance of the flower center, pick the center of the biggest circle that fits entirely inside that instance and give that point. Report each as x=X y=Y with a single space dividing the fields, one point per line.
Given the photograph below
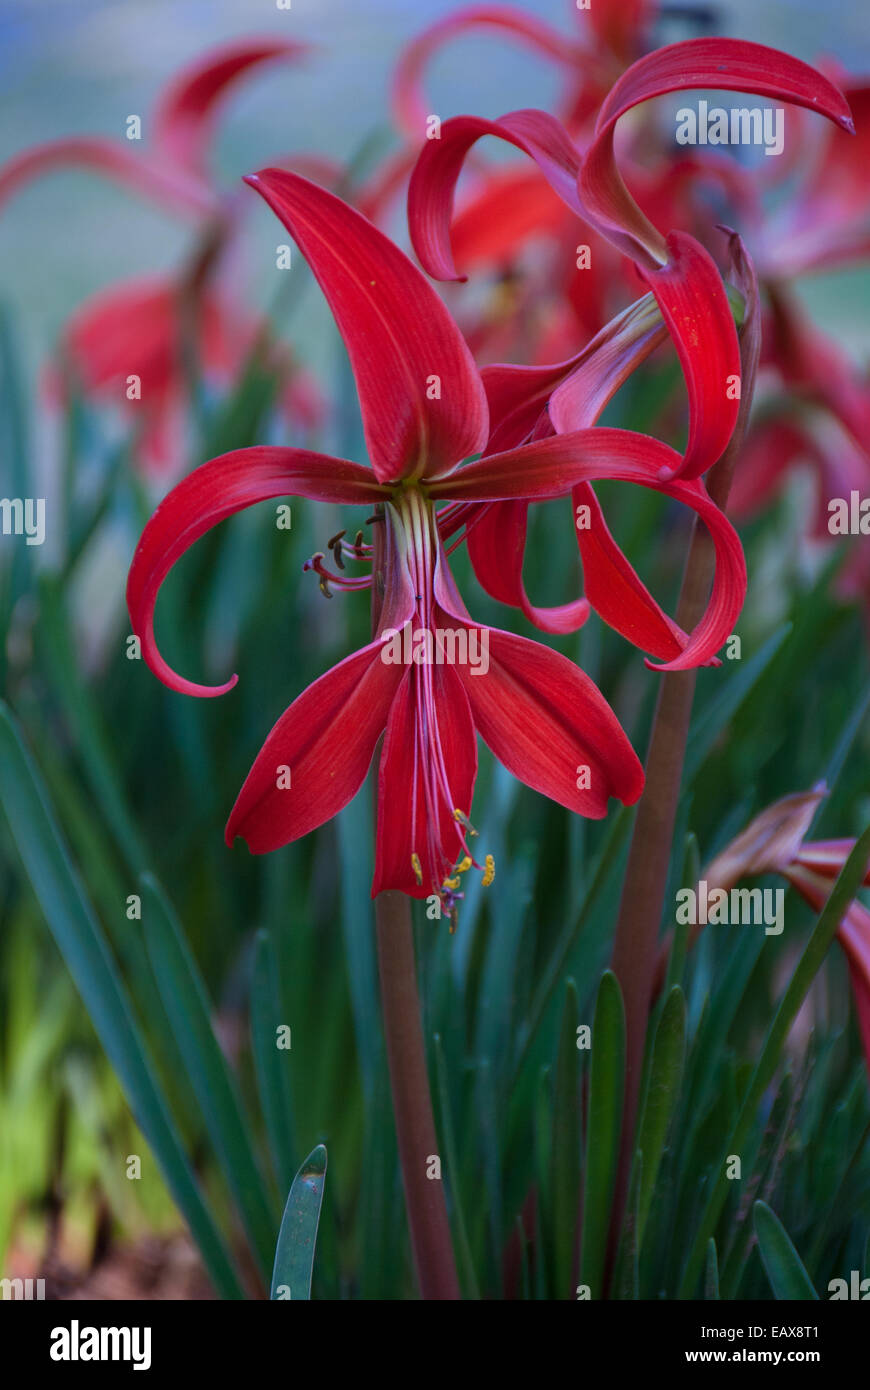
x=440 y=827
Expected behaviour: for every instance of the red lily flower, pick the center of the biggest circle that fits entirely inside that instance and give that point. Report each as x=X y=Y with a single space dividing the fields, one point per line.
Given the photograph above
x=683 y=279
x=775 y=843
x=679 y=271
x=424 y=409
x=137 y=326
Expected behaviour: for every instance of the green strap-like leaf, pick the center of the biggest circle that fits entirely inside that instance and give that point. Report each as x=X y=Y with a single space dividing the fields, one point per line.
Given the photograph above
x=270 y=1061
x=189 y=1012
x=294 y=1254
x=604 y=1122
x=82 y=944
x=565 y=1157
x=663 y=1088
x=785 y=1269
x=807 y=968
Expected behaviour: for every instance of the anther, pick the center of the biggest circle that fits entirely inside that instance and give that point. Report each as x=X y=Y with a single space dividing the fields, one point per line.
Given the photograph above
x=418 y=869
x=488 y=871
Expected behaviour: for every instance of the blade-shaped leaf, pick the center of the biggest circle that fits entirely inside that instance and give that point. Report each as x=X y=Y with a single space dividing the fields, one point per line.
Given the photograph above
x=82 y=944
x=785 y=1270
x=294 y=1254
x=665 y=1075
x=188 y=1009
x=604 y=1122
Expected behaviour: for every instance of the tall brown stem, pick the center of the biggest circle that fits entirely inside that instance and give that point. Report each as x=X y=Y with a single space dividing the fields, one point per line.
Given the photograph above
x=406 y=1055
x=643 y=894
x=412 y=1104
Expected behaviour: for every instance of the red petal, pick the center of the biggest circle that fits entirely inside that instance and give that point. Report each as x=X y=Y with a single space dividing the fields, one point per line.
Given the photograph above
x=552 y=467
x=717 y=64
x=727 y=65
x=545 y=720
x=854 y=937
x=433 y=182
x=326 y=739
x=511 y=208
x=619 y=24
x=773 y=446
x=409 y=101
x=615 y=590
x=109 y=157
x=496 y=545
x=210 y=494
x=403 y=818
x=186 y=112
x=694 y=305
x=397 y=331
x=828 y=857
x=575 y=391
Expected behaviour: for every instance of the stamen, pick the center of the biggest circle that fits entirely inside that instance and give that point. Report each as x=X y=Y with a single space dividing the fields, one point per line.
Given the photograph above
x=418 y=869
x=489 y=871
x=327 y=577
x=463 y=820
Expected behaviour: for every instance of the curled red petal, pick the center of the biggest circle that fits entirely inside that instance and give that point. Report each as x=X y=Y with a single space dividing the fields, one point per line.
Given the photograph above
x=433 y=181
x=317 y=755
x=714 y=63
x=185 y=114
x=208 y=495
x=496 y=546
x=511 y=207
x=409 y=101
x=551 y=726
x=693 y=303
x=553 y=467
x=143 y=176
x=615 y=590
x=422 y=400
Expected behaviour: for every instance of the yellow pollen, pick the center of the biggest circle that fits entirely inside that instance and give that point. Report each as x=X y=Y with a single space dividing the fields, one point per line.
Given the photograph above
x=464 y=865
x=488 y=871
x=451 y=883
x=418 y=870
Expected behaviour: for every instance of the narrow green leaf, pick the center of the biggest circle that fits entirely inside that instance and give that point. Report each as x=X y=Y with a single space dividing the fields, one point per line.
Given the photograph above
x=663 y=1088
x=626 y=1281
x=604 y=1122
x=294 y=1254
x=83 y=946
x=711 y=1277
x=565 y=1157
x=271 y=1062
x=709 y=725
x=469 y=1277
x=785 y=1270
x=807 y=968
x=189 y=1011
